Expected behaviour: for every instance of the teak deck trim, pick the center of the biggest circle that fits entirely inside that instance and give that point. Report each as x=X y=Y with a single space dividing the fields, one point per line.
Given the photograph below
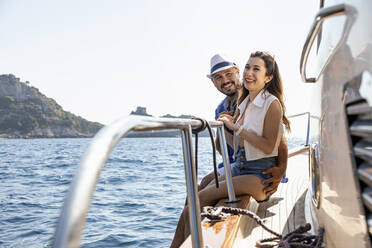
x=282 y=213
x=222 y=233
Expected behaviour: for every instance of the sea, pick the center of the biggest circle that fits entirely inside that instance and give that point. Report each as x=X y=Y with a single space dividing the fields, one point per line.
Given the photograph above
x=138 y=199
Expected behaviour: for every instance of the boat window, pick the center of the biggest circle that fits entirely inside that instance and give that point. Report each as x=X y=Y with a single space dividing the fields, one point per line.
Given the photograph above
x=334 y=24
x=332 y=35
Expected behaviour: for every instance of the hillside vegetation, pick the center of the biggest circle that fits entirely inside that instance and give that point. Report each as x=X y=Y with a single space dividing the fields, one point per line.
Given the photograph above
x=27 y=113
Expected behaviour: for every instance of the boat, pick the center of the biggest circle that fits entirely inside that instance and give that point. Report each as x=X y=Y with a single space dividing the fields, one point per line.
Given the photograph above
x=330 y=177
x=341 y=155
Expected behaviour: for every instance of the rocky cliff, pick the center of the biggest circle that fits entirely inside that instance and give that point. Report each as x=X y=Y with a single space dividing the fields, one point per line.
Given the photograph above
x=27 y=113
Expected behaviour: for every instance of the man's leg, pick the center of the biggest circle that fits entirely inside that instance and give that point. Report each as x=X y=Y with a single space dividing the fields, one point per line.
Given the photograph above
x=183 y=228
x=206 y=180
x=181 y=231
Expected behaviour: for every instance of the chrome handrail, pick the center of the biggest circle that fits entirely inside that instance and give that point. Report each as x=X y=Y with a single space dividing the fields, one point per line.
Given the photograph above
x=73 y=215
x=319 y=18
x=308 y=124
x=309 y=116
x=226 y=161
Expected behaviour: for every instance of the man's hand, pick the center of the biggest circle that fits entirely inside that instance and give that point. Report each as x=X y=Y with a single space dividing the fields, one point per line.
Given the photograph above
x=277 y=174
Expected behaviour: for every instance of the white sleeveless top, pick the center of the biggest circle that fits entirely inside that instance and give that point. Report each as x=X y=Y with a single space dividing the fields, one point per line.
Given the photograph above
x=254 y=118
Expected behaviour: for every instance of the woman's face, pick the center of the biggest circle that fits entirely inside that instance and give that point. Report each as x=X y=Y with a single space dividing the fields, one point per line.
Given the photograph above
x=254 y=75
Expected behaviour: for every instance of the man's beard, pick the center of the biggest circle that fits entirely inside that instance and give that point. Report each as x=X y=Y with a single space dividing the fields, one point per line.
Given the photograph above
x=231 y=93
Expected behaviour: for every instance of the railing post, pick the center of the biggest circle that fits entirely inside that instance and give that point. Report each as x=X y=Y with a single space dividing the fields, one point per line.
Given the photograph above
x=192 y=189
x=226 y=162
x=308 y=128
x=76 y=204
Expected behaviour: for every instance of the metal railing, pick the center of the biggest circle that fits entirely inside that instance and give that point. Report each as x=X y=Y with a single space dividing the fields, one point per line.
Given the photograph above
x=308 y=125
x=323 y=14
x=72 y=218
x=306 y=146
x=320 y=17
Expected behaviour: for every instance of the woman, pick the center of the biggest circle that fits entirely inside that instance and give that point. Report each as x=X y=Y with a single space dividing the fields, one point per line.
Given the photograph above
x=258 y=129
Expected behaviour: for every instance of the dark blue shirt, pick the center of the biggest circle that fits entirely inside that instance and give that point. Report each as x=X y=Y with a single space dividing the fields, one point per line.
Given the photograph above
x=224 y=106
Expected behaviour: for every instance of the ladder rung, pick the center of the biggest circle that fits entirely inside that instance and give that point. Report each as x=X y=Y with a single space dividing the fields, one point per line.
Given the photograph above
x=365 y=173
x=367 y=198
x=359 y=109
x=363 y=150
x=362 y=128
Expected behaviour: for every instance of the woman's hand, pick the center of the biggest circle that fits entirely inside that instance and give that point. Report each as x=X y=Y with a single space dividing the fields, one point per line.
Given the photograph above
x=227 y=120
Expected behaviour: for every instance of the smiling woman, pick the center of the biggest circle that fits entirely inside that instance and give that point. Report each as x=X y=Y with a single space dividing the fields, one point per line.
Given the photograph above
x=255 y=76
x=262 y=72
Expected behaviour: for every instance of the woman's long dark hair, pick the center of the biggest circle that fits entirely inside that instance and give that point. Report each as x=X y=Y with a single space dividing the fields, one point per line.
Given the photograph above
x=274 y=86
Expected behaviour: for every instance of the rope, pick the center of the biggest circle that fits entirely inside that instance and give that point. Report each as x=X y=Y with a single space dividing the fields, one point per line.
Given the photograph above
x=196 y=131
x=295 y=239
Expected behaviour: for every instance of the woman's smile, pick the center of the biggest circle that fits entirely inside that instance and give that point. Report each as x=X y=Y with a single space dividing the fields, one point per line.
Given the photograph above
x=248 y=83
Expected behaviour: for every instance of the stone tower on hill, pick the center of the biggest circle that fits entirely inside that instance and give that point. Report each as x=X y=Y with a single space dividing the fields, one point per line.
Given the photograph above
x=140 y=111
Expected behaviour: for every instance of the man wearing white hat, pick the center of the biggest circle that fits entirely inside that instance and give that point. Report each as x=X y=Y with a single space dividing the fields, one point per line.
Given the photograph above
x=225 y=77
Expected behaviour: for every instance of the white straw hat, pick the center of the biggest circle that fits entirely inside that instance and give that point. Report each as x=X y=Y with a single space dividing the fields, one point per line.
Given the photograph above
x=219 y=64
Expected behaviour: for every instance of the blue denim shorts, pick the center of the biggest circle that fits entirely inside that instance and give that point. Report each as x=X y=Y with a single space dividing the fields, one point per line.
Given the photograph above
x=253 y=167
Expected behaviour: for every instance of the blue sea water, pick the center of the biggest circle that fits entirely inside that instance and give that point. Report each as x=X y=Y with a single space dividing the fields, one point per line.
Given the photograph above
x=137 y=202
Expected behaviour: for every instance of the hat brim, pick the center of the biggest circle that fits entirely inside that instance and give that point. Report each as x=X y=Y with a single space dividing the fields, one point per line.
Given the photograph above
x=220 y=69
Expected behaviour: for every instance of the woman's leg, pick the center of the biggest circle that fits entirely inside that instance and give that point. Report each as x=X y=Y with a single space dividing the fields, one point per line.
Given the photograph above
x=243 y=185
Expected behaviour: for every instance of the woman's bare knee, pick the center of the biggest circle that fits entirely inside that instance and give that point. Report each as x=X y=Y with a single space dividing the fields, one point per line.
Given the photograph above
x=249 y=185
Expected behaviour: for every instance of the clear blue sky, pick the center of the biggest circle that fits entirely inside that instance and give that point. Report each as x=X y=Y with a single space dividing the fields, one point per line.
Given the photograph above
x=101 y=59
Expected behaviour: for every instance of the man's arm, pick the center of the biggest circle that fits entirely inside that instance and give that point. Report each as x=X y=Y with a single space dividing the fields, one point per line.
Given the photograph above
x=278 y=171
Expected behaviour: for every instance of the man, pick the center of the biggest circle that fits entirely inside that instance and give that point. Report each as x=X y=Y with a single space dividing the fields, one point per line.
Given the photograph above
x=225 y=77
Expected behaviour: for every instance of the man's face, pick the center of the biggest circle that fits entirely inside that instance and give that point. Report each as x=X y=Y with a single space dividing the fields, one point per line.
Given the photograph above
x=227 y=81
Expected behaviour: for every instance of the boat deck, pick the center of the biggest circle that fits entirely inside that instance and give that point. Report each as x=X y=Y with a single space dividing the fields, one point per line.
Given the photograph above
x=282 y=213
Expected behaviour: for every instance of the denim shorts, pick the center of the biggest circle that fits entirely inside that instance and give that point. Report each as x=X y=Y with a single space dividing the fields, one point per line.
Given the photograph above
x=253 y=167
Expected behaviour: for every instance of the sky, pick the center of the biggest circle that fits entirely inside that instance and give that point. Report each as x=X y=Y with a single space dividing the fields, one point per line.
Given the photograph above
x=102 y=59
